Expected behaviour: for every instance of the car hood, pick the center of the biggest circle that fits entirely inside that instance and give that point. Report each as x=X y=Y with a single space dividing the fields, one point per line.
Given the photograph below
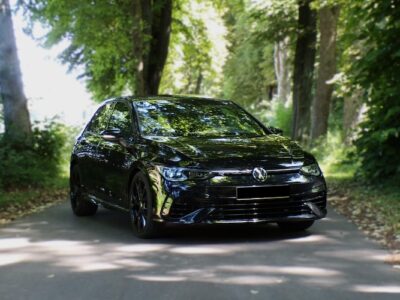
x=223 y=152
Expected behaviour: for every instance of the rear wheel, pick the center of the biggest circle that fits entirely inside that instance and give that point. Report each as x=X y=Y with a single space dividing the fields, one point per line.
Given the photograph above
x=295 y=226
x=141 y=207
x=80 y=206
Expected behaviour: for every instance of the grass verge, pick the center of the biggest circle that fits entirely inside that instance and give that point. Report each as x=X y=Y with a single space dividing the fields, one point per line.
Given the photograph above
x=373 y=206
x=19 y=202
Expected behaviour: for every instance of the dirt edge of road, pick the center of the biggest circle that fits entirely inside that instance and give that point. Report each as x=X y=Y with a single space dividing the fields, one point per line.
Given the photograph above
x=370 y=221
x=33 y=201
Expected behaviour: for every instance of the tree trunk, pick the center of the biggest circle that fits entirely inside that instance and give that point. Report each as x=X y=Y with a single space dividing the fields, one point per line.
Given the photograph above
x=303 y=70
x=352 y=115
x=138 y=48
x=16 y=114
x=328 y=17
x=199 y=81
x=160 y=31
x=151 y=35
x=282 y=71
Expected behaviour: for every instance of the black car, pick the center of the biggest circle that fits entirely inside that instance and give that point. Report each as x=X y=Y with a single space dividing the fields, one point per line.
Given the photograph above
x=186 y=160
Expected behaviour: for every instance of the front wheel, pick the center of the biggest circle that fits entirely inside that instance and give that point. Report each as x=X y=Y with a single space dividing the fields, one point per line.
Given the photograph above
x=295 y=225
x=141 y=207
x=80 y=206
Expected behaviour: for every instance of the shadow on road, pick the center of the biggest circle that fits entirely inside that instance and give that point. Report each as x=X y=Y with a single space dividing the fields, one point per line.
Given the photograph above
x=183 y=234
x=54 y=251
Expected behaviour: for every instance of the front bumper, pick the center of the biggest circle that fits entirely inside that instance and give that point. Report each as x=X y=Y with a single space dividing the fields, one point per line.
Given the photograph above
x=216 y=200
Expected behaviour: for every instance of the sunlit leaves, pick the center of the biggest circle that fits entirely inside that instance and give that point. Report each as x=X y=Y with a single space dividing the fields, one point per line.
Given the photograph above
x=377 y=70
x=197 y=49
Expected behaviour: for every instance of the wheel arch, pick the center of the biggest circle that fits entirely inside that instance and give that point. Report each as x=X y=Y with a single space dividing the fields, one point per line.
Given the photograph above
x=145 y=170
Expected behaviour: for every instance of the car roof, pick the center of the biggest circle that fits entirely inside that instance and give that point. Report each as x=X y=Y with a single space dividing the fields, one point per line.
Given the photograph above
x=162 y=97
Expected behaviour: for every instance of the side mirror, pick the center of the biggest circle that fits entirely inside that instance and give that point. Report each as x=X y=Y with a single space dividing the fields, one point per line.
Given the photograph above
x=275 y=130
x=111 y=135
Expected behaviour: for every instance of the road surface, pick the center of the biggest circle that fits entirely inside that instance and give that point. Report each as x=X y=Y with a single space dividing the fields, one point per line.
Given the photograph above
x=54 y=255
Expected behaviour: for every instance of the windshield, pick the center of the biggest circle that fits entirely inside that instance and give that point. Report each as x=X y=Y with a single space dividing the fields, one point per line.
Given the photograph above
x=191 y=117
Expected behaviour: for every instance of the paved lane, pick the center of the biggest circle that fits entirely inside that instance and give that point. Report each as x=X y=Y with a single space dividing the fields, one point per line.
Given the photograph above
x=54 y=255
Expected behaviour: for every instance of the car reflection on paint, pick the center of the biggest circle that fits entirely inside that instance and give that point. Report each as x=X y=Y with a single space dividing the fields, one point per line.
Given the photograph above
x=185 y=160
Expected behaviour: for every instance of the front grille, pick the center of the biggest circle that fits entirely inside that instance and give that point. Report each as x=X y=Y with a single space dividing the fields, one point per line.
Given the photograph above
x=232 y=209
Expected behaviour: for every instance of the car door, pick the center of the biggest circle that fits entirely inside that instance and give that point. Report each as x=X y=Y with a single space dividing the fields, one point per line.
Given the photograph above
x=87 y=145
x=117 y=161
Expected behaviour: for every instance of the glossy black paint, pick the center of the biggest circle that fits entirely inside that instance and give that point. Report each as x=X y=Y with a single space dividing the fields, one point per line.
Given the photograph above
x=107 y=160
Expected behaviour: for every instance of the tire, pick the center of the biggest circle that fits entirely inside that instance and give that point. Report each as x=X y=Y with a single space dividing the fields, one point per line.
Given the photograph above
x=81 y=207
x=141 y=199
x=296 y=225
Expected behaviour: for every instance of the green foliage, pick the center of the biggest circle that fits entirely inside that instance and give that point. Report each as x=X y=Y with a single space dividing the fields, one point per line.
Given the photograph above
x=98 y=34
x=190 y=46
x=196 y=49
x=333 y=155
x=274 y=113
x=255 y=27
x=276 y=20
x=377 y=70
x=249 y=70
x=33 y=164
x=282 y=117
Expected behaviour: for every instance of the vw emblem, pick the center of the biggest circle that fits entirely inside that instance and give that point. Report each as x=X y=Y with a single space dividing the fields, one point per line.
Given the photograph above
x=260 y=174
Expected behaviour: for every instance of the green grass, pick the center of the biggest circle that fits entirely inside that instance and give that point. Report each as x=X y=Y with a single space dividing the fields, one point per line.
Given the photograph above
x=19 y=197
x=341 y=175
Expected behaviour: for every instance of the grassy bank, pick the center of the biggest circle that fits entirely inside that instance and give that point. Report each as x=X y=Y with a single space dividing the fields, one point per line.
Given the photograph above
x=35 y=175
x=374 y=206
x=18 y=202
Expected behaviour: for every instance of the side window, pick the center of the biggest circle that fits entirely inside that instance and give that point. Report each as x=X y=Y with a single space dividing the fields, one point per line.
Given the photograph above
x=100 y=120
x=121 y=119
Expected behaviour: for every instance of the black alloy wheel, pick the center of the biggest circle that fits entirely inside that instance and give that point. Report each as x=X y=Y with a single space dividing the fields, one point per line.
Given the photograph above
x=141 y=207
x=80 y=206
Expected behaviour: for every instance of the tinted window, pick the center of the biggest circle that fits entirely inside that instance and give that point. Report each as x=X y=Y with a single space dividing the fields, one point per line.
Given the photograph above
x=195 y=118
x=100 y=120
x=121 y=119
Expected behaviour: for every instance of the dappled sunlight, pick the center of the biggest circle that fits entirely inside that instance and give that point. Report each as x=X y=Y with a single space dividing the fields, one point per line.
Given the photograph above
x=13 y=243
x=385 y=289
x=195 y=250
x=141 y=248
x=328 y=219
x=158 y=278
x=9 y=259
x=354 y=254
x=313 y=239
x=325 y=282
x=292 y=270
x=252 y=280
x=210 y=276
x=247 y=256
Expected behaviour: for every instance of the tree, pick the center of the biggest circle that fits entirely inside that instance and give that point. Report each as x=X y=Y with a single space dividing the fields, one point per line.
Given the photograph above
x=376 y=70
x=15 y=110
x=303 y=69
x=121 y=45
x=189 y=63
x=157 y=16
x=328 y=17
x=259 y=35
x=282 y=69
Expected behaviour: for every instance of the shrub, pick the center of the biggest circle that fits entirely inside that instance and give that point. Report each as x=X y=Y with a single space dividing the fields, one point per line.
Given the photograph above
x=36 y=163
x=274 y=113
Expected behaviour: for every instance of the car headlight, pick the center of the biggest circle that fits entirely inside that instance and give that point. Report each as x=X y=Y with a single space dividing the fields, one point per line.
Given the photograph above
x=312 y=169
x=182 y=174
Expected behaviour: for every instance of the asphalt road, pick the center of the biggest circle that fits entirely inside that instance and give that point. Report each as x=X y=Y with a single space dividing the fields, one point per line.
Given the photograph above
x=54 y=255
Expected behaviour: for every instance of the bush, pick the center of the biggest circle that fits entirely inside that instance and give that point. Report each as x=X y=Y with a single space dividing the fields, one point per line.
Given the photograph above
x=37 y=163
x=335 y=158
x=274 y=113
